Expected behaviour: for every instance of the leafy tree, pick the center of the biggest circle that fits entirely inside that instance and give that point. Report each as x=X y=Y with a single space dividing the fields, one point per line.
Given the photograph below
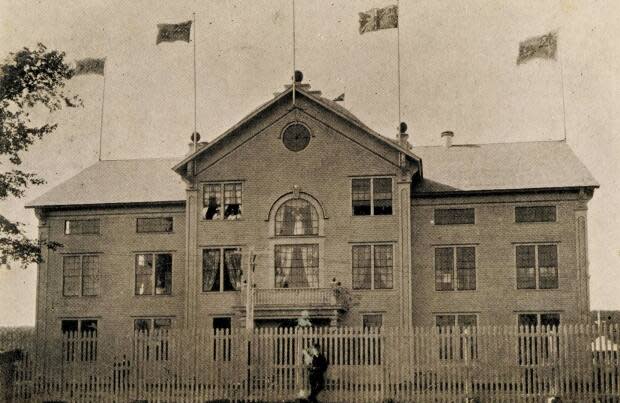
x=29 y=79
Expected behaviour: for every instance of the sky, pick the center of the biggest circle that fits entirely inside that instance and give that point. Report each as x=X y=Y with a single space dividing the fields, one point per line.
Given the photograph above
x=457 y=72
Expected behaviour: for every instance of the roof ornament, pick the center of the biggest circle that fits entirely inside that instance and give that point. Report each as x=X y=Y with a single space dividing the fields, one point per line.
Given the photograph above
x=296 y=190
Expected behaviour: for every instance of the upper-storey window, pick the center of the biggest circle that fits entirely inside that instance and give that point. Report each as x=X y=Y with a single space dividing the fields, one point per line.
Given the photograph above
x=296 y=266
x=154 y=224
x=80 y=275
x=454 y=216
x=78 y=227
x=371 y=196
x=373 y=267
x=153 y=274
x=535 y=214
x=537 y=266
x=455 y=263
x=222 y=201
x=296 y=217
x=221 y=269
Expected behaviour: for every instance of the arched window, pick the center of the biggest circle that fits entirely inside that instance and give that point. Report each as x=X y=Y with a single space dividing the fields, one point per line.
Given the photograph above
x=296 y=217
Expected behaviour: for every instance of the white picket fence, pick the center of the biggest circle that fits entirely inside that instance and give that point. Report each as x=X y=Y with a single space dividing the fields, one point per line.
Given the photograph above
x=575 y=362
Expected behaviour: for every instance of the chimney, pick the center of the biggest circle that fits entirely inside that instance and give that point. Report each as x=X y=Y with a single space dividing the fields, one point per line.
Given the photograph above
x=403 y=137
x=448 y=135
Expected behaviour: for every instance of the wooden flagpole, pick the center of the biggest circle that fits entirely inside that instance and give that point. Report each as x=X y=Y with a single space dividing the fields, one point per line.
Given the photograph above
x=563 y=90
x=294 y=53
x=398 y=61
x=102 y=110
x=195 y=135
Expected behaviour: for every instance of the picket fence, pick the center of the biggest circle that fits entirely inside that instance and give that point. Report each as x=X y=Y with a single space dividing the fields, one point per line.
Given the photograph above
x=575 y=362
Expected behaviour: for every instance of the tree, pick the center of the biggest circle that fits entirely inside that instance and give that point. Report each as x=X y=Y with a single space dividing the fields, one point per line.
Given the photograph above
x=29 y=79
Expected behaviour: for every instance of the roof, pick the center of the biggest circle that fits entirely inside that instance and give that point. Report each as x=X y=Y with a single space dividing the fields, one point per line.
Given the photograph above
x=118 y=182
x=501 y=166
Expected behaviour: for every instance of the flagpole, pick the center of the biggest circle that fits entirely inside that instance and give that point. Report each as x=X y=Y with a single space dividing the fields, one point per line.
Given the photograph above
x=293 y=53
x=194 y=135
x=563 y=100
x=102 y=109
x=398 y=60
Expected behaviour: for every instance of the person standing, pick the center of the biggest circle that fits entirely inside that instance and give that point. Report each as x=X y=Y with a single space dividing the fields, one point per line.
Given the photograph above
x=316 y=372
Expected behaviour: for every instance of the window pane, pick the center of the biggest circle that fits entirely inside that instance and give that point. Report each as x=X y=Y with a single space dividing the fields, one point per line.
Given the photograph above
x=382 y=196
x=445 y=320
x=90 y=283
x=360 y=195
x=526 y=266
x=88 y=326
x=454 y=216
x=466 y=268
x=528 y=320
x=383 y=266
x=548 y=266
x=361 y=267
x=163 y=274
x=75 y=227
x=297 y=217
x=211 y=270
x=142 y=325
x=67 y=326
x=535 y=214
x=222 y=323
x=550 y=319
x=374 y=320
x=71 y=275
x=144 y=274
x=444 y=269
x=163 y=324
x=232 y=201
x=154 y=224
x=467 y=320
x=232 y=269
x=297 y=266
x=212 y=201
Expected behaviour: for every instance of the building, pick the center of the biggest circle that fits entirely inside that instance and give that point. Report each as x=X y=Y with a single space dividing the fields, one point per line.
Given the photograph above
x=331 y=218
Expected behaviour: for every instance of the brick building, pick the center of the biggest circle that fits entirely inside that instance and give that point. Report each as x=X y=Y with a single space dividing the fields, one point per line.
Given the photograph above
x=337 y=220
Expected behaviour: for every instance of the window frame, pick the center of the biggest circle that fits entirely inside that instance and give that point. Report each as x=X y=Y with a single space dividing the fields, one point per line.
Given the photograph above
x=222 y=206
x=455 y=269
x=364 y=315
x=68 y=220
x=537 y=266
x=314 y=213
x=80 y=348
x=555 y=214
x=81 y=275
x=372 y=265
x=155 y=218
x=538 y=316
x=372 y=195
x=304 y=242
x=458 y=355
x=154 y=274
x=453 y=208
x=220 y=279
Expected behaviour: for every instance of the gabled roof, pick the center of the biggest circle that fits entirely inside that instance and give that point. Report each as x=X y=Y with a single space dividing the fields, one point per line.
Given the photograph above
x=313 y=96
x=501 y=166
x=118 y=182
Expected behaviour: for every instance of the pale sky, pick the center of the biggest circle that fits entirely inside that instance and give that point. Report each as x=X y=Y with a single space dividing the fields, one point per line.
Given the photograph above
x=458 y=72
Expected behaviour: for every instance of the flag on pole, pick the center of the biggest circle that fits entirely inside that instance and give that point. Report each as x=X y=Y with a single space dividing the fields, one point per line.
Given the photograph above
x=89 y=66
x=339 y=98
x=544 y=46
x=173 y=32
x=379 y=18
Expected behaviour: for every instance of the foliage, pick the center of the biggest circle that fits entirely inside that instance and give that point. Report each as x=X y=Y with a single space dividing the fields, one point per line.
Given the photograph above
x=29 y=78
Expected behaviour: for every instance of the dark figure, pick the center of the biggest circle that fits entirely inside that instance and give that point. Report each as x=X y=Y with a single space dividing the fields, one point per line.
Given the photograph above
x=316 y=373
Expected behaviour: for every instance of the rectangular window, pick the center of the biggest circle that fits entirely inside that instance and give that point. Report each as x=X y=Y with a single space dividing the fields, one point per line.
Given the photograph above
x=374 y=320
x=216 y=207
x=79 y=339
x=535 y=214
x=156 y=347
x=371 y=196
x=82 y=227
x=455 y=268
x=457 y=339
x=153 y=274
x=154 y=224
x=222 y=343
x=147 y=325
x=80 y=275
x=454 y=216
x=221 y=269
x=297 y=266
x=537 y=266
x=373 y=267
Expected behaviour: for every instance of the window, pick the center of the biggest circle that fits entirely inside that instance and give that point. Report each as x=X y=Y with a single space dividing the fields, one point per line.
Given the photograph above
x=80 y=275
x=79 y=340
x=154 y=224
x=532 y=320
x=212 y=201
x=82 y=227
x=535 y=214
x=463 y=260
x=371 y=196
x=454 y=216
x=534 y=347
x=297 y=266
x=153 y=274
x=296 y=217
x=374 y=320
x=457 y=336
x=155 y=347
x=146 y=325
x=537 y=266
x=222 y=343
x=221 y=274
x=372 y=267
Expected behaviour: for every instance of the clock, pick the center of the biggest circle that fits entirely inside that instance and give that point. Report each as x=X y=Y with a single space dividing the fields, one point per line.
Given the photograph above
x=296 y=137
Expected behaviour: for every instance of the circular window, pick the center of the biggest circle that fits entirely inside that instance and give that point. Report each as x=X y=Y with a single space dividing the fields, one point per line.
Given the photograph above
x=296 y=137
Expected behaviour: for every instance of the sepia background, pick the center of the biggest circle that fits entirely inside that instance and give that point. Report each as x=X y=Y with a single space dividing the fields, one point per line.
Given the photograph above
x=458 y=72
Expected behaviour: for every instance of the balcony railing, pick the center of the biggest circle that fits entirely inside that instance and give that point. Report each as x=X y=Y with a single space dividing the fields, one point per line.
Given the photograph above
x=297 y=298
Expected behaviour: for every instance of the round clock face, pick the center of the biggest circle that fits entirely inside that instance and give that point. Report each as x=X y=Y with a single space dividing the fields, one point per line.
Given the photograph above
x=296 y=137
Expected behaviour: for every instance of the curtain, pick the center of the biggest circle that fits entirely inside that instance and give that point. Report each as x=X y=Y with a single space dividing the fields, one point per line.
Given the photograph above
x=232 y=263
x=210 y=268
x=306 y=213
x=304 y=260
x=284 y=256
x=288 y=221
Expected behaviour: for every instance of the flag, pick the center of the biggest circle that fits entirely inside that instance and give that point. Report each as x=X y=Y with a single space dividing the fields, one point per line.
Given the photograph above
x=173 y=32
x=543 y=46
x=89 y=66
x=339 y=98
x=379 y=18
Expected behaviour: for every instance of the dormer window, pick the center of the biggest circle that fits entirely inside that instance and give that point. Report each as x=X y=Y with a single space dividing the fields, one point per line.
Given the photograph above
x=296 y=217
